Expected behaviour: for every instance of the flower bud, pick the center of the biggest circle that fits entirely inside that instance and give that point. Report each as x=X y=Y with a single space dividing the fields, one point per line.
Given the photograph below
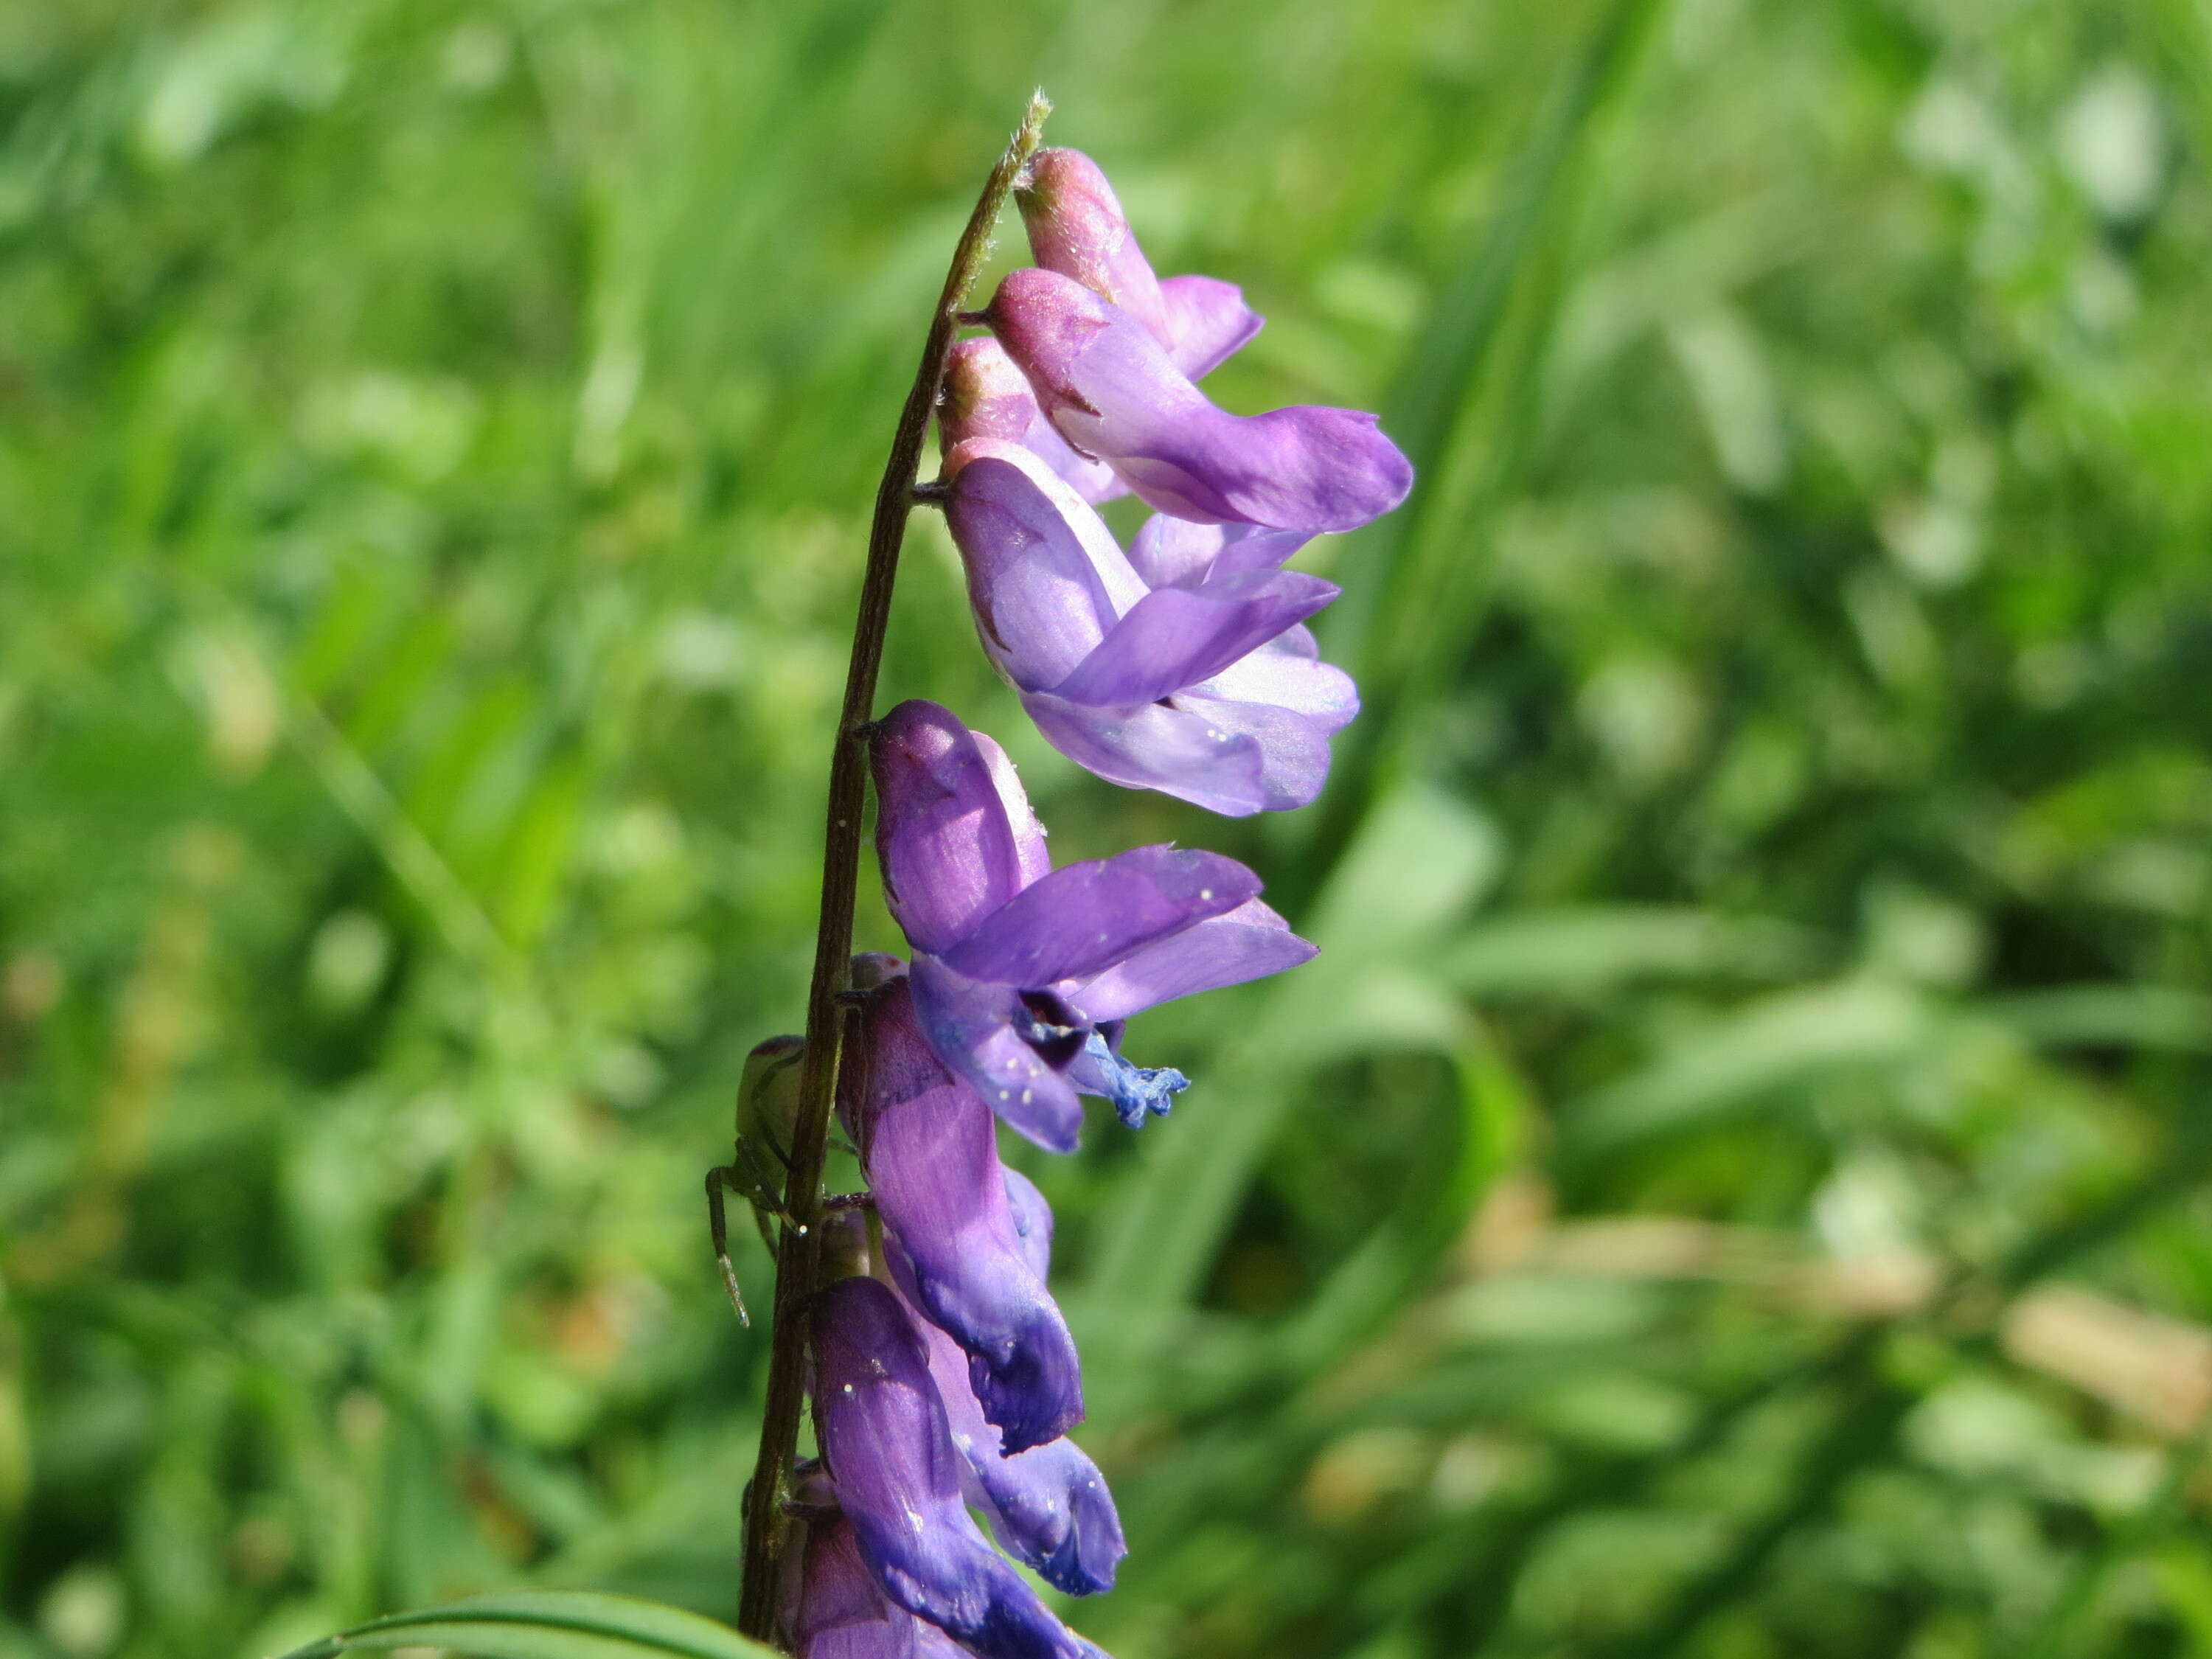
x=1076 y=227
x=985 y=397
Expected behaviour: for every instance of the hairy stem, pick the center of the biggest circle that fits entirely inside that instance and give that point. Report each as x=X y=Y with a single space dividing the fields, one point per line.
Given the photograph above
x=799 y=1249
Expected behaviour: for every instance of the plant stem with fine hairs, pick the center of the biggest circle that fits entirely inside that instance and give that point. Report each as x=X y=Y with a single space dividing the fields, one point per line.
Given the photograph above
x=799 y=1249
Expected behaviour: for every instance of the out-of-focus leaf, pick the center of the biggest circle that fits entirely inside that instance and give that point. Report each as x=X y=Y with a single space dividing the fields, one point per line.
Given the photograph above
x=2134 y=1016
x=1784 y=1041
x=1420 y=860
x=1584 y=952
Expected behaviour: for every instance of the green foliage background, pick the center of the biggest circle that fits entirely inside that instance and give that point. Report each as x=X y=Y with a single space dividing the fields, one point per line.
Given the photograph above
x=1732 y=1185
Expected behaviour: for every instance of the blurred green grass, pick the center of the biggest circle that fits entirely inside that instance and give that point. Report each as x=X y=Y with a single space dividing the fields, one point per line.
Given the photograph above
x=1732 y=1185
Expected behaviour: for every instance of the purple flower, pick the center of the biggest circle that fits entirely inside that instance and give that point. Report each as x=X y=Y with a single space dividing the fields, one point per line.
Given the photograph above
x=931 y=1158
x=985 y=397
x=1112 y=390
x=896 y=1475
x=834 y=1609
x=1076 y=227
x=1188 y=674
x=1023 y=975
x=1048 y=1506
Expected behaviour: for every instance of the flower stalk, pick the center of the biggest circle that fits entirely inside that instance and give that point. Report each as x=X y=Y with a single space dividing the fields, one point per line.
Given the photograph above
x=798 y=1247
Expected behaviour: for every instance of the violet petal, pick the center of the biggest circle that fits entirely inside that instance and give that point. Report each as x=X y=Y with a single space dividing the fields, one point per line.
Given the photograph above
x=1172 y=552
x=1286 y=674
x=1113 y=391
x=897 y=1475
x=1176 y=637
x=1049 y=1507
x=1249 y=942
x=1032 y=1218
x=949 y=850
x=1084 y=917
x=1171 y=749
x=1208 y=322
x=933 y=1163
x=841 y=1613
x=1045 y=579
x=971 y=1026
x=1294 y=756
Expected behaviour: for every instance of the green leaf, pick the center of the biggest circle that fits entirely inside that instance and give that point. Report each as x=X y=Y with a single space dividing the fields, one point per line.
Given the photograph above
x=1770 y=1046
x=1592 y=949
x=546 y=1624
x=2137 y=1015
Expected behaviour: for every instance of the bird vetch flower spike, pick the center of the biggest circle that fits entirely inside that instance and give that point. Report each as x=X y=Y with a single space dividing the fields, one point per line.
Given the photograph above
x=916 y=1316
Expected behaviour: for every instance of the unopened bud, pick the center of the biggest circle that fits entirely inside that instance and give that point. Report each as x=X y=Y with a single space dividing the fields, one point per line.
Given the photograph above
x=985 y=396
x=1076 y=227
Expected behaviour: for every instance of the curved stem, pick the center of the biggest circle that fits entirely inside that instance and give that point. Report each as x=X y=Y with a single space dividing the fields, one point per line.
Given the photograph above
x=799 y=1249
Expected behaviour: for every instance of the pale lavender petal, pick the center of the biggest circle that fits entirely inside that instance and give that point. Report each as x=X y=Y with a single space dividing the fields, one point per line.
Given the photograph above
x=1156 y=746
x=1049 y=1507
x=1172 y=552
x=985 y=397
x=949 y=854
x=1076 y=227
x=1084 y=917
x=1113 y=392
x=897 y=1475
x=1294 y=748
x=932 y=1163
x=1045 y=578
x=1249 y=942
x=976 y=1031
x=1175 y=637
x=1255 y=547
x=1094 y=481
x=1285 y=673
x=1208 y=322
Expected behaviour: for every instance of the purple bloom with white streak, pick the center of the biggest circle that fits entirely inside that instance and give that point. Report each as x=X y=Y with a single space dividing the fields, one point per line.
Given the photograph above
x=1023 y=975
x=1182 y=666
x=1112 y=390
x=896 y=1476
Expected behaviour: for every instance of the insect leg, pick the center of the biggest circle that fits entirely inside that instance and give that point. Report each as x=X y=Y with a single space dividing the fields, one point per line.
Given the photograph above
x=718 y=1228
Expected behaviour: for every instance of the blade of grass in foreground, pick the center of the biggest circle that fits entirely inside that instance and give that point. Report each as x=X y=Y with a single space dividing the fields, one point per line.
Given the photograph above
x=546 y=1624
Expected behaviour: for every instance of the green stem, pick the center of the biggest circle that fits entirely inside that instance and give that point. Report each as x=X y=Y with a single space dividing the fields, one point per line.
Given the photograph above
x=798 y=1252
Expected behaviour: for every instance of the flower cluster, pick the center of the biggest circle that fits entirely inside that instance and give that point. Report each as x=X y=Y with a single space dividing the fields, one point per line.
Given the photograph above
x=944 y=1380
